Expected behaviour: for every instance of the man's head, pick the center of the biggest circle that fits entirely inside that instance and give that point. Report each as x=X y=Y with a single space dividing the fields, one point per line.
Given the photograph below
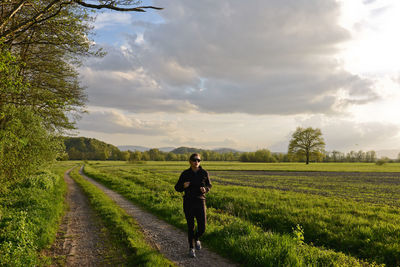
x=194 y=160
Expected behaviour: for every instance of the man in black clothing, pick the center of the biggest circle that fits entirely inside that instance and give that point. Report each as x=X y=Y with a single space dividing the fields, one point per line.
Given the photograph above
x=195 y=183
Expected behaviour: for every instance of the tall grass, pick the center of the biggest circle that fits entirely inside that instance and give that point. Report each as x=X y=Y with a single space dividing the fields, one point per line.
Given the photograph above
x=30 y=212
x=231 y=235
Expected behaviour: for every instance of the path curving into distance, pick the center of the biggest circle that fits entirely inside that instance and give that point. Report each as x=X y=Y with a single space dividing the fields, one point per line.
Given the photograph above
x=170 y=241
x=80 y=240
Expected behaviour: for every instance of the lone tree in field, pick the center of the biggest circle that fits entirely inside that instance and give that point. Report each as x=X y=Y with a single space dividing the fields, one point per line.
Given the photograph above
x=306 y=143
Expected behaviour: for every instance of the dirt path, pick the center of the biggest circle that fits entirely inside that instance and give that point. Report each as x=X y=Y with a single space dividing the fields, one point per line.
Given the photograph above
x=80 y=240
x=171 y=241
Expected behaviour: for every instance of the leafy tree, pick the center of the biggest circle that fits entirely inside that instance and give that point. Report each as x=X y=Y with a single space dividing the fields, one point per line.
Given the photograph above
x=25 y=143
x=125 y=155
x=306 y=143
x=371 y=156
x=171 y=156
x=50 y=38
x=156 y=154
x=135 y=156
x=48 y=53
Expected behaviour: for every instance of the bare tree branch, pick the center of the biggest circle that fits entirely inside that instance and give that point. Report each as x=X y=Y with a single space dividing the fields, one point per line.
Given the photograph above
x=116 y=8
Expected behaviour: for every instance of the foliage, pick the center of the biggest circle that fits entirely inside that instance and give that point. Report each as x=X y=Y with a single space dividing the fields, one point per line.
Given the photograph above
x=352 y=156
x=307 y=143
x=263 y=155
x=30 y=212
x=382 y=161
x=48 y=53
x=81 y=148
x=25 y=143
x=234 y=234
x=122 y=226
x=298 y=234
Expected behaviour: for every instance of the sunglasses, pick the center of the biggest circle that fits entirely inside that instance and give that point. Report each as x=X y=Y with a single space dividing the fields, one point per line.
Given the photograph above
x=194 y=160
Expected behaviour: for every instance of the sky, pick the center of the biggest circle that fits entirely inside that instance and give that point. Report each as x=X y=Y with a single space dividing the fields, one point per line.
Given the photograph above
x=244 y=75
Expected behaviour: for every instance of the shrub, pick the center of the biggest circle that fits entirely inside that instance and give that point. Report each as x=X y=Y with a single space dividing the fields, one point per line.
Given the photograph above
x=381 y=161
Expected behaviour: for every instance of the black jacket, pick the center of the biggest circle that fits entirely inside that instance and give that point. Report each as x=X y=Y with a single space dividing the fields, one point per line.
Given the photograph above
x=197 y=179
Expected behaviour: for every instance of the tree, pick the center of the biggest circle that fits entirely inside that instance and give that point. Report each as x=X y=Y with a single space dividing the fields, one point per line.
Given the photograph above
x=41 y=43
x=25 y=144
x=19 y=16
x=50 y=38
x=306 y=143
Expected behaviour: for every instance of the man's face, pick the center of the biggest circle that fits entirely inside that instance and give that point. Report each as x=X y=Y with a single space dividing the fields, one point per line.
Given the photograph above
x=195 y=162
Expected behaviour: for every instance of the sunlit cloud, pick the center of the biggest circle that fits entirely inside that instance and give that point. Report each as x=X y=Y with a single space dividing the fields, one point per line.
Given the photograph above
x=248 y=75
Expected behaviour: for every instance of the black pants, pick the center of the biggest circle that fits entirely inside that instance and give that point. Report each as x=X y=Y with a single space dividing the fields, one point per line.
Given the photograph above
x=195 y=208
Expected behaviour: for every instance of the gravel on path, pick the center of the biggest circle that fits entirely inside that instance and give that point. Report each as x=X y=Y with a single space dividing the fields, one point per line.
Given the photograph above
x=170 y=241
x=80 y=240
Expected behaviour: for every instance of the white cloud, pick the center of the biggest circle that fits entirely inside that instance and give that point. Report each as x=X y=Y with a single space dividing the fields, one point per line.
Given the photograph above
x=108 y=19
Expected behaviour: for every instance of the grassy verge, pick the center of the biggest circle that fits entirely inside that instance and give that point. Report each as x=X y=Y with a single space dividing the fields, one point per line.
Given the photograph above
x=30 y=212
x=229 y=235
x=121 y=226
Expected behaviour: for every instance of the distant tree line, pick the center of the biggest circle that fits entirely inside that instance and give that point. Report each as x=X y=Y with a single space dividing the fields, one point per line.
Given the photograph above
x=352 y=156
x=81 y=148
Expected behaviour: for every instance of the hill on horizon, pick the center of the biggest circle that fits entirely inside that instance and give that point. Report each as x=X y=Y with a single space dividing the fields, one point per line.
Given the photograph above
x=79 y=148
x=179 y=150
x=143 y=148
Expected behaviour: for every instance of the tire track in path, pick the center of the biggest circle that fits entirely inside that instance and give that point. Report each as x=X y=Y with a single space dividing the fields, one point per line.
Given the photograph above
x=80 y=240
x=170 y=241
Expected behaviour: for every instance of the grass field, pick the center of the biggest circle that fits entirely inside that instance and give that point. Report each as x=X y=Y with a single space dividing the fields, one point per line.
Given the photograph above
x=314 y=167
x=347 y=211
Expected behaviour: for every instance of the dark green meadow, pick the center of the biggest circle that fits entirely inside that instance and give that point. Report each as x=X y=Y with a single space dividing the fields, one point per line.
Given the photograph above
x=277 y=214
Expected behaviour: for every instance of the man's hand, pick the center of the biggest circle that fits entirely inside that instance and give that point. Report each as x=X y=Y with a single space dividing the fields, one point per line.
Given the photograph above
x=186 y=184
x=203 y=189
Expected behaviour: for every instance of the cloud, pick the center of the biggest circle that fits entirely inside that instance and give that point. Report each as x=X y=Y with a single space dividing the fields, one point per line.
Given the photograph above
x=132 y=91
x=115 y=122
x=267 y=57
x=108 y=19
x=346 y=134
x=361 y=136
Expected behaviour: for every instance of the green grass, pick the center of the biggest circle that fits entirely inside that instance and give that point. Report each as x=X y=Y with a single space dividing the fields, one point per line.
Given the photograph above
x=121 y=226
x=230 y=232
x=30 y=212
x=357 y=214
x=246 y=166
